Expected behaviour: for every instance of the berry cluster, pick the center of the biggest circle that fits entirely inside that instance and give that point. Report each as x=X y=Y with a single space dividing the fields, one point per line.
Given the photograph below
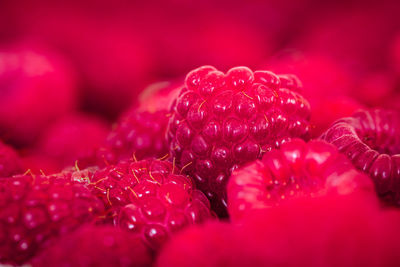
x=35 y=210
x=222 y=171
x=148 y=198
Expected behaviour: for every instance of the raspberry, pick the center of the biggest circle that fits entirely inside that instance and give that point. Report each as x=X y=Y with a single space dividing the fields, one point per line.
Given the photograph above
x=371 y=140
x=75 y=137
x=10 y=163
x=96 y=246
x=140 y=132
x=34 y=210
x=208 y=245
x=327 y=231
x=221 y=121
x=36 y=88
x=326 y=85
x=297 y=169
x=150 y=197
x=137 y=135
x=159 y=96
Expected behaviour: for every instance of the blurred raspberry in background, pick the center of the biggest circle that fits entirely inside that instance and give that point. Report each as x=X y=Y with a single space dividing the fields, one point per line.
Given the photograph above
x=97 y=57
x=92 y=84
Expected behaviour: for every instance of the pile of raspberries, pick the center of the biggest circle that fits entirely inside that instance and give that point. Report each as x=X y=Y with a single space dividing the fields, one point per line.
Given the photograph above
x=219 y=169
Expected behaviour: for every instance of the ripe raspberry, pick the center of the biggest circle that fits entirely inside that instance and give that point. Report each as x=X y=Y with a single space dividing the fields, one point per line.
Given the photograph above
x=221 y=121
x=208 y=245
x=140 y=132
x=36 y=209
x=326 y=85
x=75 y=137
x=37 y=87
x=328 y=231
x=150 y=197
x=159 y=96
x=297 y=169
x=10 y=163
x=371 y=140
x=96 y=246
x=137 y=135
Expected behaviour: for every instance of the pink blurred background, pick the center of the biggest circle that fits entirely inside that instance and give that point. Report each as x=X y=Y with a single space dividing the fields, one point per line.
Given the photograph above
x=104 y=53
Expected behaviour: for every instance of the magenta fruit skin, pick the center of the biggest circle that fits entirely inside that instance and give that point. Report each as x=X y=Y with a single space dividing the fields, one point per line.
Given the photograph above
x=297 y=169
x=371 y=140
x=149 y=198
x=93 y=245
x=36 y=210
x=221 y=121
x=138 y=134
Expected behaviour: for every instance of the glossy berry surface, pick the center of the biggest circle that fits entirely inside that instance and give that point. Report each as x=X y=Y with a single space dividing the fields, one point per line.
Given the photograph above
x=327 y=231
x=96 y=246
x=149 y=197
x=371 y=140
x=138 y=134
x=34 y=210
x=297 y=169
x=223 y=120
x=10 y=163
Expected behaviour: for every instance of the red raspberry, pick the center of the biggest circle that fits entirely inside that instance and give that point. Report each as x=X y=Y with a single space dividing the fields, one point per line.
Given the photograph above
x=74 y=138
x=36 y=88
x=159 y=96
x=326 y=85
x=221 y=121
x=96 y=246
x=152 y=199
x=140 y=132
x=328 y=231
x=10 y=163
x=371 y=140
x=137 y=135
x=209 y=245
x=35 y=209
x=297 y=169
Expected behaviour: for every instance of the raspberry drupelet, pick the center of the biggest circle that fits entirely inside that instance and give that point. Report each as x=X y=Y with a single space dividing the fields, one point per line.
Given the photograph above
x=297 y=169
x=371 y=140
x=140 y=131
x=149 y=198
x=139 y=134
x=222 y=120
x=35 y=210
